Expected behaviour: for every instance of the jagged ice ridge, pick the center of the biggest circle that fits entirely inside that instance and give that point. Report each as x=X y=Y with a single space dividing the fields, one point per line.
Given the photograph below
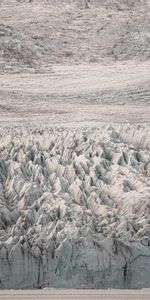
x=75 y=207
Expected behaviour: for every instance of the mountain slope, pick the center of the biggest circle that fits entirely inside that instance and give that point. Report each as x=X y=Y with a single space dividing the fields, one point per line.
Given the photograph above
x=35 y=34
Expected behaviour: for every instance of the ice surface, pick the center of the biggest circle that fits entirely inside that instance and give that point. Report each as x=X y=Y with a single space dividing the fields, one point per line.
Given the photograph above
x=74 y=207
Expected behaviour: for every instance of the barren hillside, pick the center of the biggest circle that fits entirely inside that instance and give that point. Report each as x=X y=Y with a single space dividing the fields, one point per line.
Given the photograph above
x=35 y=34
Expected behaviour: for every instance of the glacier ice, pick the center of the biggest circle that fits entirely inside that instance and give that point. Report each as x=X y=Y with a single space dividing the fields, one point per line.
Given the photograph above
x=75 y=207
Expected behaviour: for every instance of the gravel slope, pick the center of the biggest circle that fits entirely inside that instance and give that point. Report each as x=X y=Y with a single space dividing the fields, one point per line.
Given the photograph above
x=35 y=34
x=75 y=95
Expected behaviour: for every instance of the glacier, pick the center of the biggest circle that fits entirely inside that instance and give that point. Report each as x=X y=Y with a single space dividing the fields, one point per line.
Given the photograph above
x=75 y=206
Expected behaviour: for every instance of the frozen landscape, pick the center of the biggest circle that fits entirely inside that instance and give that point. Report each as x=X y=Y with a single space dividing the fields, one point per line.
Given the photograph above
x=75 y=207
x=75 y=146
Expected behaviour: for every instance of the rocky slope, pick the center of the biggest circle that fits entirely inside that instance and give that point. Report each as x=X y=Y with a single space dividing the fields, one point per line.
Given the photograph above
x=74 y=207
x=36 y=34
